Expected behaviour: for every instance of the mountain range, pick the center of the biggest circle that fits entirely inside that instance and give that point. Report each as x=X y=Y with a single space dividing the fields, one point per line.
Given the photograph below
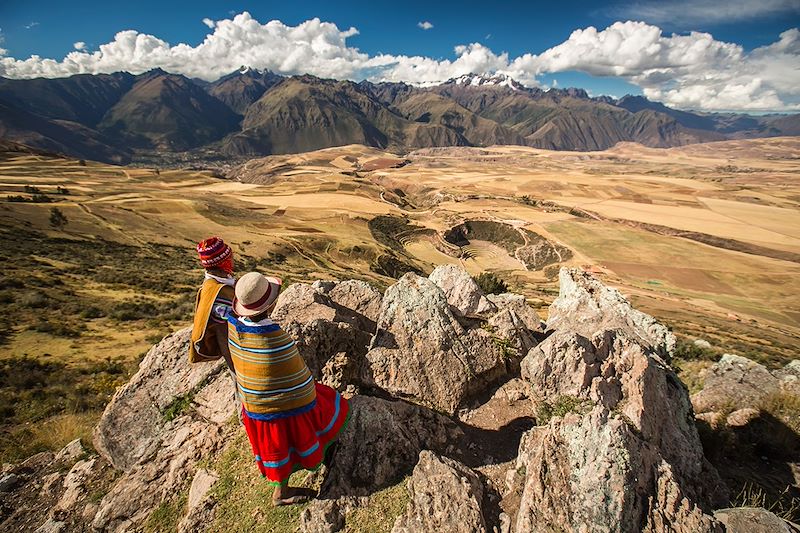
x=119 y=117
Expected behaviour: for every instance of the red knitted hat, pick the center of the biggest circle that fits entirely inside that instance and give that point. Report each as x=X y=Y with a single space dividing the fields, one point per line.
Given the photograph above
x=213 y=251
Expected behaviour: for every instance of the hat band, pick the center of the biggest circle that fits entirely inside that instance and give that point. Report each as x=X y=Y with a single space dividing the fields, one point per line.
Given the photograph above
x=261 y=301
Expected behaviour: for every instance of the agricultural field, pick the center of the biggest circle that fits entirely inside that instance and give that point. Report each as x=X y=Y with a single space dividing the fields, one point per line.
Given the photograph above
x=99 y=260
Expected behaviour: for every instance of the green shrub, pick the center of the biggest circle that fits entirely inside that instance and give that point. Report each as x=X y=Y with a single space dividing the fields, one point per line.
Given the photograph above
x=92 y=312
x=58 y=328
x=491 y=283
x=57 y=218
x=689 y=351
x=33 y=300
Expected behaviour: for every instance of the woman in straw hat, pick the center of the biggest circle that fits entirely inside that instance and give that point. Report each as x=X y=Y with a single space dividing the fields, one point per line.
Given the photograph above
x=290 y=419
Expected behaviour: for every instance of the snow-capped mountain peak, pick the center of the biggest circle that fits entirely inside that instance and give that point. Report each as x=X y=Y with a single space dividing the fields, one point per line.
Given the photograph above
x=483 y=80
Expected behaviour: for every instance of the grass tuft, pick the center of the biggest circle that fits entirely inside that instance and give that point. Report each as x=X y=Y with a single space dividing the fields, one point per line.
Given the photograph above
x=783 y=504
x=165 y=517
x=560 y=407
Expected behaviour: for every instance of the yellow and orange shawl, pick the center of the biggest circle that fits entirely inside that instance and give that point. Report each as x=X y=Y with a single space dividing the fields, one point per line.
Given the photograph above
x=204 y=345
x=272 y=378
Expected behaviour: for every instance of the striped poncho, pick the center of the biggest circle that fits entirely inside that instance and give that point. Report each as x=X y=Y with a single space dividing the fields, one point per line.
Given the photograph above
x=272 y=378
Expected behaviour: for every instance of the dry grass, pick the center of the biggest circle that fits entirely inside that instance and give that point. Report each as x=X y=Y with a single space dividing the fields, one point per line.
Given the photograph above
x=381 y=513
x=784 y=406
x=783 y=504
x=50 y=434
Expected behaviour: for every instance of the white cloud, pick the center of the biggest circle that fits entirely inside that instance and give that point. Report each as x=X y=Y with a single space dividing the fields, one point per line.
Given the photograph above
x=687 y=12
x=208 y=22
x=31 y=25
x=80 y=45
x=425 y=25
x=687 y=71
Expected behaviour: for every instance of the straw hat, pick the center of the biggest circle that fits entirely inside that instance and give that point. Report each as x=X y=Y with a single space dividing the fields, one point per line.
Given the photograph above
x=255 y=292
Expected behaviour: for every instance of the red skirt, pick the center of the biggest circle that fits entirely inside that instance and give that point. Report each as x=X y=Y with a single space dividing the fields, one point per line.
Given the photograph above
x=284 y=445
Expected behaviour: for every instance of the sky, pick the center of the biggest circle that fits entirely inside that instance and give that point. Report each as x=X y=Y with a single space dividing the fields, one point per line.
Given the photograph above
x=738 y=55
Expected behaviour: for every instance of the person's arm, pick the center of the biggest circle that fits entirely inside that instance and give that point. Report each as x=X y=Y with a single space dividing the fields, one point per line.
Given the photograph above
x=221 y=338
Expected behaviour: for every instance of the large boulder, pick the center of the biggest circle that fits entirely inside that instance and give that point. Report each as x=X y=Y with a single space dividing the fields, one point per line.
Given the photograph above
x=323 y=328
x=352 y=302
x=589 y=472
x=360 y=297
x=446 y=497
x=622 y=452
x=527 y=315
x=753 y=520
x=587 y=307
x=735 y=382
x=133 y=423
x=516 y=322
x=421 y=351
x=301 y=302
x=319 y=341
x=463 y=294
x=380 y=445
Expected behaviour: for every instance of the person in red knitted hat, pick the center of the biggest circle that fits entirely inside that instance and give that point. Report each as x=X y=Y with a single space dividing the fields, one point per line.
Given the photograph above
x=213 y=304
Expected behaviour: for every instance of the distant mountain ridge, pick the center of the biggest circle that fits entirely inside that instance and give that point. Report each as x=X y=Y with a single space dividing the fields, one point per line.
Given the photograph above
x=114 y=117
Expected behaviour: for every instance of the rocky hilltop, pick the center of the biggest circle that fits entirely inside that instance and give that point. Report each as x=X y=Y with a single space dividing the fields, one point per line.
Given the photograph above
x=500 y=421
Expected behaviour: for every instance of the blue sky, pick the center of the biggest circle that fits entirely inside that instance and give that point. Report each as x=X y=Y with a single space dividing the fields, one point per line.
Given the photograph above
x=51 y=29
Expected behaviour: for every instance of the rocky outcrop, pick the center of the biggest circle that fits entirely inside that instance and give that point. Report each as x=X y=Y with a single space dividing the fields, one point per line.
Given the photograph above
x=352 y=302
x=745 y=412
x=381 y=443
x=133 y=424
x=515 y=303
x=516 y=322
x=615 y=448
x=587 y=307
x=446 y=497
x=360 y=297
x=463 y=294
x=622 y=452
x=421 y=351
x=158 y=427
x=323 y=328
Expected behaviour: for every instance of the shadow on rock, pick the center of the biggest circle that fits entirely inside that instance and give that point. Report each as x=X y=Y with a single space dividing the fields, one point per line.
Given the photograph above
x=753 y=451
x=492 y=446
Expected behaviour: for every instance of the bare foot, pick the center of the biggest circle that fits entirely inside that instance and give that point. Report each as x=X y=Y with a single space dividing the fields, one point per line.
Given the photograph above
x=293 y=496
x=291 y=500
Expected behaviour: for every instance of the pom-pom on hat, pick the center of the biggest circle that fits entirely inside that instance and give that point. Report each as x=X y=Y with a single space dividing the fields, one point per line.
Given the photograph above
x=255 y=292
x=213 y=251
